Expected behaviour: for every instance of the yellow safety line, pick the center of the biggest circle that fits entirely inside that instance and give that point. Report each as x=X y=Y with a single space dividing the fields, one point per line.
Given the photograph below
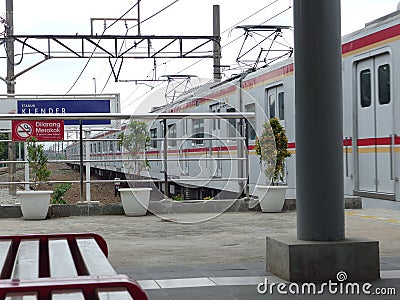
x=368 y=217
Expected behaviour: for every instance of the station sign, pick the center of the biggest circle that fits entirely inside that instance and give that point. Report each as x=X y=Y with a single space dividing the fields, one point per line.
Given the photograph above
x=67 y=106
x=42 y=130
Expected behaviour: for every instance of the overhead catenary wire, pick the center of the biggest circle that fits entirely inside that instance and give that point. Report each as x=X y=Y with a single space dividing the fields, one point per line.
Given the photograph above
x=139 y=23
x=226 y=30
x=193 y=64
x=237 y=38
x=223 y=46
x=155 y=14
x=105 y=29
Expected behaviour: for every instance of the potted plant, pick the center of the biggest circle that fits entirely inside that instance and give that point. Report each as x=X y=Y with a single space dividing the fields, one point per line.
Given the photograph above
x=35 y=202
x=272 y=147
x=135 y=140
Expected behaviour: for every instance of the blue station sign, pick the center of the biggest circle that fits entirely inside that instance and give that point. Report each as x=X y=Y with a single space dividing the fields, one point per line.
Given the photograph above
x=67 y=106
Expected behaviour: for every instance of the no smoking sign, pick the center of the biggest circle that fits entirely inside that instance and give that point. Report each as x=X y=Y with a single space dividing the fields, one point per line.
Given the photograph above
x=23 y=130
x=46 y=130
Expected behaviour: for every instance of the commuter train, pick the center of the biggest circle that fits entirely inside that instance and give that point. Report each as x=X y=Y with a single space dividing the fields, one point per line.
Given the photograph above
x=371 y=137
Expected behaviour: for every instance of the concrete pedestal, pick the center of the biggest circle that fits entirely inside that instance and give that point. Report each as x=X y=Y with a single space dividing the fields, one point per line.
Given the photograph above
x=314 y=261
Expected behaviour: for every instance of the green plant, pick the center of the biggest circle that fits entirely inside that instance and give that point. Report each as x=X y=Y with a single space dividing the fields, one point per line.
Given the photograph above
x=59 y=192
x=207 y=198
x=272 y=147
x=37 y=161
x=177 y=197
x=135 y=140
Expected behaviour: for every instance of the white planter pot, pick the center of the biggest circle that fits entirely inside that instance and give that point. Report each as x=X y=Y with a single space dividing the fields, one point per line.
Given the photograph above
x=271 y=198
x=135 y=201
x=34 y=204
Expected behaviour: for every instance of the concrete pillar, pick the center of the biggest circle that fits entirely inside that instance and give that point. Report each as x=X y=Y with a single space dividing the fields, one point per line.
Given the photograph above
x=318 y=92
x=320 y=251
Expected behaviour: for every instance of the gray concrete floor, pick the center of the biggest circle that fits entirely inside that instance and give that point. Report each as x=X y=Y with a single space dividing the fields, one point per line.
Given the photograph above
x=229 y=245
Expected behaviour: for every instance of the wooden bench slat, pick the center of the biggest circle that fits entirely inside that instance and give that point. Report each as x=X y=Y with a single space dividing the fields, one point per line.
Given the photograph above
x=5 y=247
x=60 y=259
x=95 y=261
x=114 y=294
x=26 y=265
x=22 y=296
x=68 y=295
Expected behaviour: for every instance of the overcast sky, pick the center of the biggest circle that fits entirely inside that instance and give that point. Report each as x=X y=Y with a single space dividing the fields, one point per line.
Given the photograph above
x=185 y=17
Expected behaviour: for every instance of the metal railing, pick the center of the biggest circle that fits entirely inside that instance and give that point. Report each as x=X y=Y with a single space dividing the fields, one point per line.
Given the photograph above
x=242 y=155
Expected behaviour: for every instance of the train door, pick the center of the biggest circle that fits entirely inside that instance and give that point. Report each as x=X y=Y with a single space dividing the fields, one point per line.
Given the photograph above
x=275 y=103
x=375 y=125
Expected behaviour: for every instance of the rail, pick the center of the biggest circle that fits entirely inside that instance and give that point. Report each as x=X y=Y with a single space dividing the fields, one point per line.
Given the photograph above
x=85 y=161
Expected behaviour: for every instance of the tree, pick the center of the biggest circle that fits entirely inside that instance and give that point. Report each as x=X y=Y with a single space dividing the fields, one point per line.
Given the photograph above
x=3 y=147
x=37 y=160
x=135 y=140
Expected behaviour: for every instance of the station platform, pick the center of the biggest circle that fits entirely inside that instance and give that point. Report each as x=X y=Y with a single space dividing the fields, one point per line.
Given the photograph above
x=216 y=256
x=241 y=282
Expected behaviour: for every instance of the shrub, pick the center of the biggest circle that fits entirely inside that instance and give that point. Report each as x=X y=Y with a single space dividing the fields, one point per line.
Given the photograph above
x=272 y=150
x=59 y=192
x=37 y=160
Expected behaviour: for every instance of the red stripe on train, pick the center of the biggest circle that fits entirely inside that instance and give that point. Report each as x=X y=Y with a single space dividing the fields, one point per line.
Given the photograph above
x=371 y=39
x=383 y=141
x=267 y=76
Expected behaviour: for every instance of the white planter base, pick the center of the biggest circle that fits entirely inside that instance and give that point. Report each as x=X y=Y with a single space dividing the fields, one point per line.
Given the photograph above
x=271 y=198
x=135 y=201
x=34 y=204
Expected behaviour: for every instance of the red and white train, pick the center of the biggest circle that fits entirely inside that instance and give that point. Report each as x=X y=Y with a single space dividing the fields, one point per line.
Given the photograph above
x=371 y=137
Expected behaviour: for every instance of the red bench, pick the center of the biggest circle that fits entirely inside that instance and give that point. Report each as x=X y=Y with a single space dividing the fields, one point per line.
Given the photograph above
x=61 y=266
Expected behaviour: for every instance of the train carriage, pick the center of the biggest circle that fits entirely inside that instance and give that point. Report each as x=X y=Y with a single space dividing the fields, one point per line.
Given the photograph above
x=371 y=139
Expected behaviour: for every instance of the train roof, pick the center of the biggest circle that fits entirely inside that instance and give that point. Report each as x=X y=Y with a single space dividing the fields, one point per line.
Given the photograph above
x=374 y=26
x=370 y=27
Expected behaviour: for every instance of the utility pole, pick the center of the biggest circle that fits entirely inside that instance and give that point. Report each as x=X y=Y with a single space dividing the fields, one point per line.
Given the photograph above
x=138 y=16
x=216 y=44
x=10 y=88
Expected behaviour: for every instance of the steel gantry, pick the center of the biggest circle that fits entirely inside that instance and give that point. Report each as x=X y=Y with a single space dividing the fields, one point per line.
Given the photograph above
x=109 y=47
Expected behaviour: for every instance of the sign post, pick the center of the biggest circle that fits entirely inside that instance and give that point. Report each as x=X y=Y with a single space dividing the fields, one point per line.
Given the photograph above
x=87 y=157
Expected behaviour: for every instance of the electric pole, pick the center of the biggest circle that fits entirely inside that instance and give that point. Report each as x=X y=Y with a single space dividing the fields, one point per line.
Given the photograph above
x=216 y=44
x=10 y=88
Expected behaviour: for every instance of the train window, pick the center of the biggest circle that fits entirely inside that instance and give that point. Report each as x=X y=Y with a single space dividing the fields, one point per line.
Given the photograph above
x=198 y=131
x=153 y=135
x=184 y=126
x=365 y=87
x=251 y=133
x=216 y=123
x=231 y=124
x=271 y=102
x=218 y=120
x=281 y=105
x=384 y=84
x=119 y=145
x=172 y=134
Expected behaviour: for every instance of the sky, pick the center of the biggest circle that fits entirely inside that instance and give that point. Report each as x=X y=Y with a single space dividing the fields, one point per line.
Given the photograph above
x=183 y=17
